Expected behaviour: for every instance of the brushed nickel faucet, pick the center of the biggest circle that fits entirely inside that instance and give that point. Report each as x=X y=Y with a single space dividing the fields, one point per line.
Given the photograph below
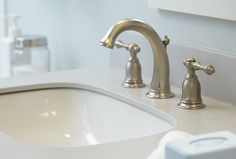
x=133 y=71
x=160 y=85
x=191 y=88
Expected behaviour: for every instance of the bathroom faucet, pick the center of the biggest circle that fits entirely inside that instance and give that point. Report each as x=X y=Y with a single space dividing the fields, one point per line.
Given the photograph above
x=160 y=85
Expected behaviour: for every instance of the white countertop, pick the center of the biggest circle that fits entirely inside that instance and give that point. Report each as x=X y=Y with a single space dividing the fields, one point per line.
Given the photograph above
x=216 y=116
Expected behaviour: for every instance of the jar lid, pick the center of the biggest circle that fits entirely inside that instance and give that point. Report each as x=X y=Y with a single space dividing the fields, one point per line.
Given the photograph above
x=23 y=41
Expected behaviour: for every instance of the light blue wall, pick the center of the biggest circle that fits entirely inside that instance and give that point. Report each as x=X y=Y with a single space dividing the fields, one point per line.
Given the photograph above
x=74 y=27
x=47 y=18
x=71 y=27
x=200 y=31
x=194 y=30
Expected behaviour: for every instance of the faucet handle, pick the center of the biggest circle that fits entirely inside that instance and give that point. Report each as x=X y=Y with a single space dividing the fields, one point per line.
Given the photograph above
x=166 y=41
x=132 y=47
x=191 y=88
x=133 y=73
x=193 y=65
x=121 y=44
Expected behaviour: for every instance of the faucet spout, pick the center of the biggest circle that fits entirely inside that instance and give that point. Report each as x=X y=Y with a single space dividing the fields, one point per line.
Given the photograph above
x=160 y=85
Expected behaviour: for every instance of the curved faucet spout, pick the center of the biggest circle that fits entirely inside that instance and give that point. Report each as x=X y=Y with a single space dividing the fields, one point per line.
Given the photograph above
x=160 y=85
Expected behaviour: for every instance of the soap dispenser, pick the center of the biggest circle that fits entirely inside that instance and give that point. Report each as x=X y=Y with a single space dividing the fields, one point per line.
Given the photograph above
x=6 y=45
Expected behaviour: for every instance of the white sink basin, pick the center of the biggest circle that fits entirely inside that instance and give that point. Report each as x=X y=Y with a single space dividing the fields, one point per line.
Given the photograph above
x=75 y=117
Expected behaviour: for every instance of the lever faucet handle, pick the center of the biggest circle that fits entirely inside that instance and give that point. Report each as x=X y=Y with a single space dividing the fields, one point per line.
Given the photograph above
x=166 y=41
x=193 y=65
x=133 y=48
x=121 y=44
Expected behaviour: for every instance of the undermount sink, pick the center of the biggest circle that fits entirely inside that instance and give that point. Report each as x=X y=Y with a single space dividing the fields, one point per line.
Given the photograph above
x=63 y=117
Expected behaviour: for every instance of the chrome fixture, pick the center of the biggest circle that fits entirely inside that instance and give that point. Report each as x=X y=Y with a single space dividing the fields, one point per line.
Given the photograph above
x=133 y=72
x=191 y=88
x=160 y=85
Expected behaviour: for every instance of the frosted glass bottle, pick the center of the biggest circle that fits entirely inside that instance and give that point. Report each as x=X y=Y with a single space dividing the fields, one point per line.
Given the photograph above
x=31 y=55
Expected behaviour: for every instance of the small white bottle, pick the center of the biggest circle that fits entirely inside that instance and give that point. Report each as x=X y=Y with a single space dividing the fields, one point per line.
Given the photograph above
x=6 y=45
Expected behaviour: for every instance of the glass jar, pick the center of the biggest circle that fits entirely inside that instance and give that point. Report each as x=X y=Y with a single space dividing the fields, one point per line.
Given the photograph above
x=30 y=55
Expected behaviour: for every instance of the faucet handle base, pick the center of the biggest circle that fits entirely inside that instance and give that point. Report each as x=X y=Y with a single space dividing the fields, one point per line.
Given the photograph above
x=191 y=105
x=133 y=85
x=159 y=95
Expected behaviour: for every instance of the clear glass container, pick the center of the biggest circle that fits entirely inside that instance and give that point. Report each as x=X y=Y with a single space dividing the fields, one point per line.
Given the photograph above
x=30 y=55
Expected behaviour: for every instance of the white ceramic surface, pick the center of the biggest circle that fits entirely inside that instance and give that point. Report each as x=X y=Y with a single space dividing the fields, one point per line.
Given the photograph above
x=217 y=145
x=217 y=116
x=74 y=117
